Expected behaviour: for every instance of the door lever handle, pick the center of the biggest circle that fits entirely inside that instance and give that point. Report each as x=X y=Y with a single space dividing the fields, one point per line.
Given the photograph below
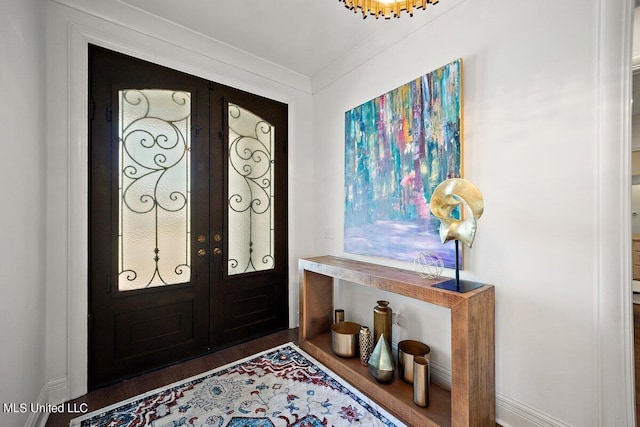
x=202 y=252
x=217 y=251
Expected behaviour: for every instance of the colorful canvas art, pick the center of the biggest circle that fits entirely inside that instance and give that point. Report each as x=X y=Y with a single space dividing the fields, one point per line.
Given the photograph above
x=398 y=148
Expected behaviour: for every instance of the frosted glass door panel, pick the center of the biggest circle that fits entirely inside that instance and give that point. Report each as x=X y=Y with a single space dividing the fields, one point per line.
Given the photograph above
x=251 y=225
x=154 y=188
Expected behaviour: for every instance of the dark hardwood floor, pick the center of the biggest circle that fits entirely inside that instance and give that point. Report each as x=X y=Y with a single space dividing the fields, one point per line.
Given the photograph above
x=123 y=390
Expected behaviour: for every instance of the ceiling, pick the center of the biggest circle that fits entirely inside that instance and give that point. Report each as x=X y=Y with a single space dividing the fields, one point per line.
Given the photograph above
x=305 y=36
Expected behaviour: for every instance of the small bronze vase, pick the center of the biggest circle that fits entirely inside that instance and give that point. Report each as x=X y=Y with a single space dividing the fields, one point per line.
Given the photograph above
x=421 y=381
x=366 y=345
x=381 y=362
x=407 y=350
x=382 y=322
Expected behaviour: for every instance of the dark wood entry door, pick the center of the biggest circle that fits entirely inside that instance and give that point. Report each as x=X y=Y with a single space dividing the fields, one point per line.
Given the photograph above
x=250 y=295
x=187 y=212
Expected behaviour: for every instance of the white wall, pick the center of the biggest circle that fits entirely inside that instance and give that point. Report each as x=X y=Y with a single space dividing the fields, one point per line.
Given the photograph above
x=22 y=173
x=538 y=93
x=635 y=142
x=532 y=108
x=71 y=26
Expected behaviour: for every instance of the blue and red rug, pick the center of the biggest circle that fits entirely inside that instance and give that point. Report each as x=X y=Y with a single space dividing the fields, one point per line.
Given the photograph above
x=281 y=387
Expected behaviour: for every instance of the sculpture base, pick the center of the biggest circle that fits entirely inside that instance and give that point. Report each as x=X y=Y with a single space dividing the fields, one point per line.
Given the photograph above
x=461 y=286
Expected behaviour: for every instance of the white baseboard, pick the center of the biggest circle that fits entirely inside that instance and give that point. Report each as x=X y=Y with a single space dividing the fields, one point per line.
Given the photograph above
x=58 y=390
x=39 y=419
x=53 y=392
x=511 y=413
x=440 y=376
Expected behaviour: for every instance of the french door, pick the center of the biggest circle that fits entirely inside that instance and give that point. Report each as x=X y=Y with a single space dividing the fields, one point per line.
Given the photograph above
x=187 y=216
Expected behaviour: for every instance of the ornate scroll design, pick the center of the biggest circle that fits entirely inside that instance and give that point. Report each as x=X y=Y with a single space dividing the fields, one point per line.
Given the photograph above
x=250 y=192
x=154 y=188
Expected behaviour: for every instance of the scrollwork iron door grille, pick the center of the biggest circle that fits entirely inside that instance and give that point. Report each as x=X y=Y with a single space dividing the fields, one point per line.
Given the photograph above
x=154 y=187
x=251 y=189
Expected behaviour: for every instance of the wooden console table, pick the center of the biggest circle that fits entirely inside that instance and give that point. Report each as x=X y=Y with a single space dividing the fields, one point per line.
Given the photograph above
x=470 y=403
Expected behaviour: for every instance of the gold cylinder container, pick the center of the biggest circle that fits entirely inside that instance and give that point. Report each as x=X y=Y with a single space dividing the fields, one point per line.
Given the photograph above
x=407 y=350
x=382 y=322
x=421 y=381
x=345 y=338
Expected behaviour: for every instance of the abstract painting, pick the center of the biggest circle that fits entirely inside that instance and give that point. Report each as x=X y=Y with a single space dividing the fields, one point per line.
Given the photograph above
x=398 y=148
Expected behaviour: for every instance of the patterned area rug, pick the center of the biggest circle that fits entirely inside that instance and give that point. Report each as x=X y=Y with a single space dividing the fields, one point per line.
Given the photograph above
x=280 y=387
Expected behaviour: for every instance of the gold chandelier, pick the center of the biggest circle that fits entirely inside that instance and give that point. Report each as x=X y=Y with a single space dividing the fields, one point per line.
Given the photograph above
x=386 y=8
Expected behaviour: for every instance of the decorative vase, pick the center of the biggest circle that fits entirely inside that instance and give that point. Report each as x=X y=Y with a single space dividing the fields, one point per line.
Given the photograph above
x=366 y=345
x=421 y=381
x=344 y=338
x=382 y=322
x=407 y=350
x=381 y=361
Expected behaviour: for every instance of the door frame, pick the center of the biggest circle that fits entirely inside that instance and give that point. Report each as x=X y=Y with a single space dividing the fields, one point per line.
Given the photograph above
x=268 y=288
x=75 y=381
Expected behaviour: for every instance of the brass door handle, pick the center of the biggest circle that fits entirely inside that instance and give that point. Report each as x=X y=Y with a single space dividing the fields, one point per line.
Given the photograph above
x=202 y=252
x=217 y=251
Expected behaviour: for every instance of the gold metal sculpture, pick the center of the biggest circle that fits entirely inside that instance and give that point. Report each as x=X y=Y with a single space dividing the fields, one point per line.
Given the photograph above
x=445 y=198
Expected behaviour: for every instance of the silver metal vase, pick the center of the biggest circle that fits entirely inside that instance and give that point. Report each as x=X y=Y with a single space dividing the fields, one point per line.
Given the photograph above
x=366 y=345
